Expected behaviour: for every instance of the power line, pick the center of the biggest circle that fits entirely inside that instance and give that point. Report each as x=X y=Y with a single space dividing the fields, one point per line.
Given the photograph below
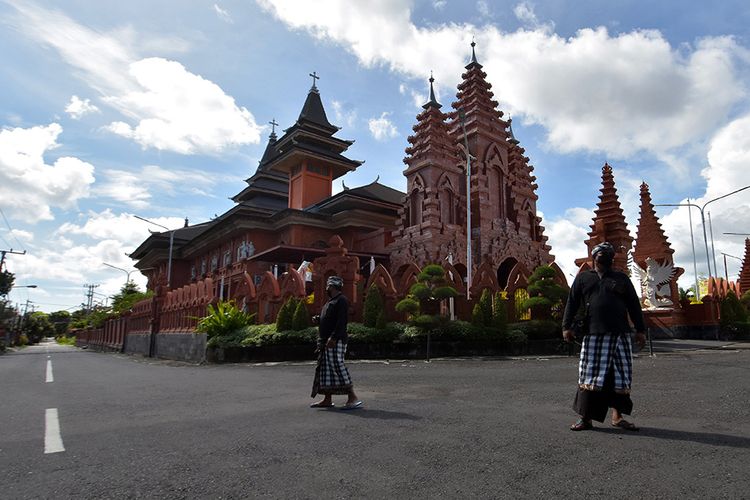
x=11 y=229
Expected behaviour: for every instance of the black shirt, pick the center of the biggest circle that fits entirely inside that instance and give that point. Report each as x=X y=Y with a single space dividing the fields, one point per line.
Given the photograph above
x=608 y=301
x=333 y=319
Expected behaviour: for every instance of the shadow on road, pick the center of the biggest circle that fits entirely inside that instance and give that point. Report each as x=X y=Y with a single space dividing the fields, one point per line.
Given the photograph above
x=696 y=437
x=381 y=414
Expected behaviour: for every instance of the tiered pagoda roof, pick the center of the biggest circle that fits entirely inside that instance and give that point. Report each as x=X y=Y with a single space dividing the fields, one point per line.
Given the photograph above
x=475 y=99
x=650 y=238
x=745 y=270
x=609 y=223
x=267 y=190
x=431 y=142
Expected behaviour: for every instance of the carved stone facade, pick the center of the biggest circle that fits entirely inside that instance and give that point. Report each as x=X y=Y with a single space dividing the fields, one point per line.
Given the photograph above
x=505 y=230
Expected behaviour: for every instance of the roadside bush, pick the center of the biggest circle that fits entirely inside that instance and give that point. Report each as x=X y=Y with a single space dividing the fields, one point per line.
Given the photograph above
x=731 y=310
x=224 y=323
x=361 y=334
x=65 y=340
x=515 y=337
x=23 y=340
x=538 y=329
x=285 y=318
x=301 y=319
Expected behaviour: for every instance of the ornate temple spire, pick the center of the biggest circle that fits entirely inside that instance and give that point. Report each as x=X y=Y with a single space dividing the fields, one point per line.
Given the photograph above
x=650 y=238
x=432 y=102
x=431 y=142
x=511 y=138
x=270 y=149
x=473 y=56
x=609 y=224
x=745 y=270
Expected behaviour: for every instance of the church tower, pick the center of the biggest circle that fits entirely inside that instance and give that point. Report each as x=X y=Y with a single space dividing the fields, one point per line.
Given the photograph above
x=310 y=155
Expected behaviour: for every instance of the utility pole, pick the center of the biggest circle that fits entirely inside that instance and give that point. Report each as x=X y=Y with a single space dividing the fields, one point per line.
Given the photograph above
x=90 y=296
x=2 y=256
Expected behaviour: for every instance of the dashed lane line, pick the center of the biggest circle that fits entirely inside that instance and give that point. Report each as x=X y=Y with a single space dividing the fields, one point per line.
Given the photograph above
x=52 y=439
x=49 y=378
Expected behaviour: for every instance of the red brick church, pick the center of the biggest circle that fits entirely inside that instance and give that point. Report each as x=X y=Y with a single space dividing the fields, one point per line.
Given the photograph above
x=286 y=217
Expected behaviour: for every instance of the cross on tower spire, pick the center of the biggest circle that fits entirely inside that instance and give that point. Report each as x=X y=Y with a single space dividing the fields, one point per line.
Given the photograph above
x=314 y=76
x=273 y=125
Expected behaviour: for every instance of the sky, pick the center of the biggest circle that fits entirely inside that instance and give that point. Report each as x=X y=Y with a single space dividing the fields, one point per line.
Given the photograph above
x=161 y=109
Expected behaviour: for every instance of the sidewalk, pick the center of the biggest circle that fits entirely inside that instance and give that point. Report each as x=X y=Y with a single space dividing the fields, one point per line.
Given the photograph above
x=679 y=345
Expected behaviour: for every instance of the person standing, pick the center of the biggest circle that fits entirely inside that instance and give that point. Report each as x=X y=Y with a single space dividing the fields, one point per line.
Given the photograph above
x=331 y=375
x=606 y=363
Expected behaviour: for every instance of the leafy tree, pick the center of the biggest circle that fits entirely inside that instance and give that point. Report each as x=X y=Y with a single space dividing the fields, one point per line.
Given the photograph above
x=301 y=318
x=373 y=306
x=285 y=318
x=60 y=321
x=36 y=325
x=6 y=282
x=745 y=301
x=544 y=292
x=731 y=310
x=127 y=297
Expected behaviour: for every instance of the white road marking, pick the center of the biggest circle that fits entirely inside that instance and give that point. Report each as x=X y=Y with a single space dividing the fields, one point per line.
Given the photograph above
x=49 y=378
x=52 y=438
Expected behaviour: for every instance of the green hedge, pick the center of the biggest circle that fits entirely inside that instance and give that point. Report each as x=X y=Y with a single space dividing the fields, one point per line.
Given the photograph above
x=538 y=329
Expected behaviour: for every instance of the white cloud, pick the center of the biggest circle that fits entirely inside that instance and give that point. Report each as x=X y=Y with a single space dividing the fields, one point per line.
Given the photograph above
x=439 y=4
x=223 y=14
x=619 y=95
x=343 y=114
x=382 y=128
x=566 y=236
x=134 y=188
x=483 y=8
x=20 y=234
x=166 y=106
x=78 y=107
x=29 y=186
x=524 y=12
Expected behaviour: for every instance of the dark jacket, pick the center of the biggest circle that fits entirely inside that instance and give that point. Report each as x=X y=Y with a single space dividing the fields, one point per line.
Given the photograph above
x=333 y=319
x=608 y=302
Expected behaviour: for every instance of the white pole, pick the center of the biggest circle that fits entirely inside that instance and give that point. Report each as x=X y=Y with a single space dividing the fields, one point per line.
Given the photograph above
x=451 y=300
x=692 y=243
x=462 y=117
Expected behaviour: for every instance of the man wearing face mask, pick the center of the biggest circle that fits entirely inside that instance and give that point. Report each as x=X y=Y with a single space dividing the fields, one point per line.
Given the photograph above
x=331 y=375
x=606 y=364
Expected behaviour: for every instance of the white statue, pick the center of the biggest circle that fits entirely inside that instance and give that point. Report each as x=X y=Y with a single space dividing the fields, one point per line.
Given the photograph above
x=655 y=283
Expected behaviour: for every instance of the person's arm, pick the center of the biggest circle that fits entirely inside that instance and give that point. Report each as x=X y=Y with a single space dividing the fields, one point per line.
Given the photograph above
x=571 y=308
x=341 y=314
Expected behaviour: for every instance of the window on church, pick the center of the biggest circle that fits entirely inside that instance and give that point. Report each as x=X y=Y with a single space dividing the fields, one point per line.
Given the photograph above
x=193 y=273
x=214 y=263
x=315 y=169
x=227 y=258
x=203 y=267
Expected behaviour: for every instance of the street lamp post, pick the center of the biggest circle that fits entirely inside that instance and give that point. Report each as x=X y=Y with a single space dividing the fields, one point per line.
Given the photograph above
x=726 y=273
x=171 y=244
x=127 y=273
x=462 y=117
x=703 y=219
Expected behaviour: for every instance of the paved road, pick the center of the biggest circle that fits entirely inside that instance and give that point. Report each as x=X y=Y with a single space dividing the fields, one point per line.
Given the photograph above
x=137 y=428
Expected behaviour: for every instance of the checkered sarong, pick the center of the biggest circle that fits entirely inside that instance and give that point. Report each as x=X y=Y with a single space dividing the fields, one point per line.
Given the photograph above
x=331 y=375
x=598 y=354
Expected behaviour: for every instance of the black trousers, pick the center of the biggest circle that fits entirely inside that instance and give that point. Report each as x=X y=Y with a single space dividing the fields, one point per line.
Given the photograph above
x=593 y=405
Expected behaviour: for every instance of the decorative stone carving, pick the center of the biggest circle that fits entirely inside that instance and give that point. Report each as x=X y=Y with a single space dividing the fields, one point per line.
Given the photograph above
x=655 y=283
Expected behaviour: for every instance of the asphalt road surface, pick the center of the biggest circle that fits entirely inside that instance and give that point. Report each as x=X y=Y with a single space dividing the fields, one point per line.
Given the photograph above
x=96 y=425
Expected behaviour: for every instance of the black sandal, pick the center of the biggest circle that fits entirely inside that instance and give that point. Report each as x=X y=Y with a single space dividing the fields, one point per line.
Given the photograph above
x=582 y=425
x=624 y=424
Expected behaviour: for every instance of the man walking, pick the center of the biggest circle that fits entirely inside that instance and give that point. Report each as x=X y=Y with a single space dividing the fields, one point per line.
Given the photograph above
x=331 y=375
x=606 y=364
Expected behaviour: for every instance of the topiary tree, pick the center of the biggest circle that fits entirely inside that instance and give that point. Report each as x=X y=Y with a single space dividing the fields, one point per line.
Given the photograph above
x=301 y=318
x=381 y=323
x=500 y=311
x=477 y=316
x=285 y=318
x=425 y=295
x=544 y=292
x=373 y=306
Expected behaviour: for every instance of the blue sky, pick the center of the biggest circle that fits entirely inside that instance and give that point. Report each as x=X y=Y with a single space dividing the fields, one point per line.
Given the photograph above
x=161 y=109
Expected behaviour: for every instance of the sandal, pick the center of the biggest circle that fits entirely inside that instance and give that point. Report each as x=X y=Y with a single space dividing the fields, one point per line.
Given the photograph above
x=320 y=404
x=624 y=424
x=582 y=425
